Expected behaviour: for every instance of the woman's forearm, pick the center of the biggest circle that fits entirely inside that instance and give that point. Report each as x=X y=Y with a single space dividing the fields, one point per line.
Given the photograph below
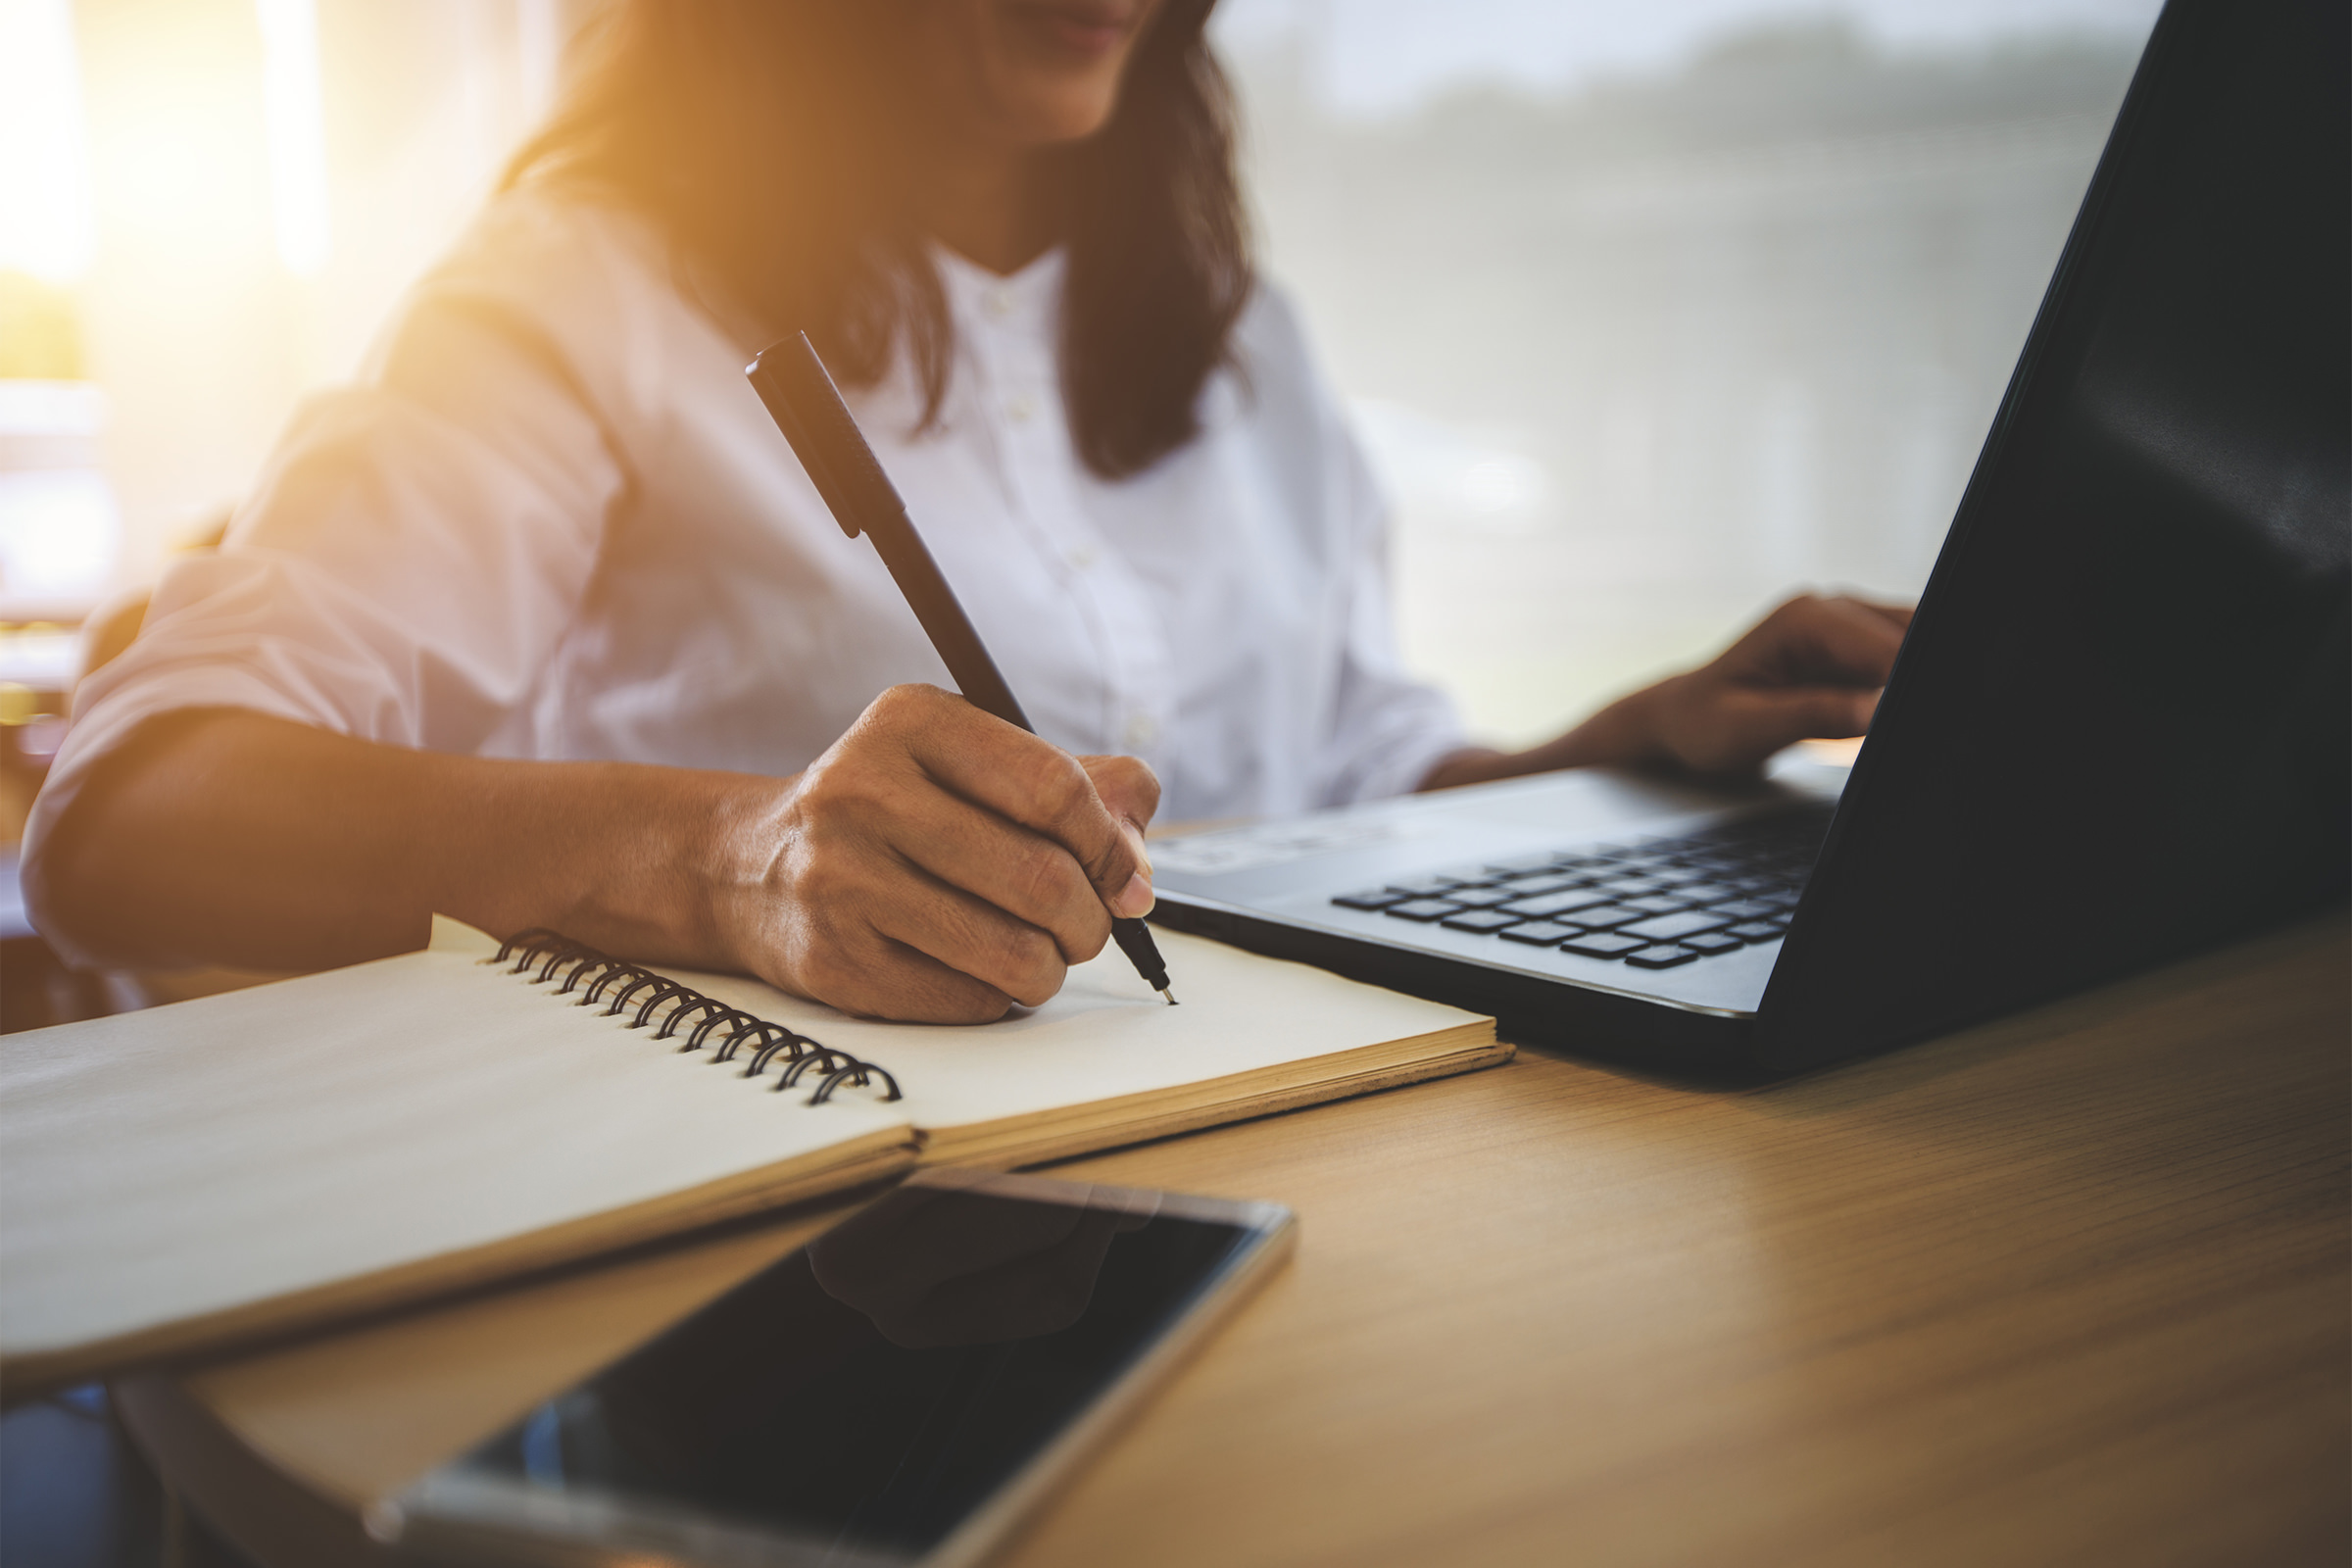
x=935 y=864
x=1618 y=736
x=226 y=837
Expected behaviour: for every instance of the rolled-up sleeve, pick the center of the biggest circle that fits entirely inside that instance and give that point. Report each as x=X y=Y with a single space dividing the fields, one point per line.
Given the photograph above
x=415 y=549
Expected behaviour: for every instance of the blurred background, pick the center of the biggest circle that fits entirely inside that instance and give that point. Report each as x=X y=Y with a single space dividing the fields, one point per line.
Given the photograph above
x=1649 y=313
x=1655 y=312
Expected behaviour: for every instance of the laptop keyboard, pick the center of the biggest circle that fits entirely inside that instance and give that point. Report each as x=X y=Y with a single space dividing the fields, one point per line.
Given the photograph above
x=1655 y=905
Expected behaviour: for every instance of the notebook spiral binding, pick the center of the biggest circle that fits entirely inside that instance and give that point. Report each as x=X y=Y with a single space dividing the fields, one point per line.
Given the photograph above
x=728 y=1030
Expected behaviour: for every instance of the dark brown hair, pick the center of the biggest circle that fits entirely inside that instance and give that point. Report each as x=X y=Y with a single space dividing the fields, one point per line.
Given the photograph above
x=767 y=138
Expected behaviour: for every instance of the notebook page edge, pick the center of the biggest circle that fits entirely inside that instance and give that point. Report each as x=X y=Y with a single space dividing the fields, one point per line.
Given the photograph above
x=869 y=1157
x=1016 y=1141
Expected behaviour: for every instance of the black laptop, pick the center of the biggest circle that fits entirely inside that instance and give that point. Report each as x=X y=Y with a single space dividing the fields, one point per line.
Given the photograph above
x=2120 y=729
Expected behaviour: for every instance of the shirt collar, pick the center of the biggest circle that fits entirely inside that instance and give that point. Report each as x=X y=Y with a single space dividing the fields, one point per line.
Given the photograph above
x=1025 y=300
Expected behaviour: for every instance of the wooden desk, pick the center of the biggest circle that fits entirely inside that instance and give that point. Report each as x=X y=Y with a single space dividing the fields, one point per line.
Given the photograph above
x=2068 y=1289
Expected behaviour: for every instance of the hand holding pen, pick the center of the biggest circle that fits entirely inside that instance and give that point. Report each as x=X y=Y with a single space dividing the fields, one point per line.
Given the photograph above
x=1048 y=799
x=938 y=866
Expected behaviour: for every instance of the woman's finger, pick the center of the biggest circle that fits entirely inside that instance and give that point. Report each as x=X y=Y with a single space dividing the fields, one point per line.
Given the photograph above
x=967 y=934
x=872 y=798
x=1758 y=724
x=849 y=932
x=1027 y=875
x=1735 y=728
x=1901 y=615
x=1810 y=640
x=861 y=971
x=1022 y=779
x=1130 y=791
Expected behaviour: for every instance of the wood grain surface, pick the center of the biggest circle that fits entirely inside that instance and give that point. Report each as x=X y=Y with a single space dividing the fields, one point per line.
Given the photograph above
x=2068 y=1289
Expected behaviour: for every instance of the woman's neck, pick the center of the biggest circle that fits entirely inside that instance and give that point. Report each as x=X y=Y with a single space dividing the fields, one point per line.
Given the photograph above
x=992 y=205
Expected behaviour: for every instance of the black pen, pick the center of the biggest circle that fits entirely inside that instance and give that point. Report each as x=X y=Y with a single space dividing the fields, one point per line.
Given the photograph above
x=801 y=399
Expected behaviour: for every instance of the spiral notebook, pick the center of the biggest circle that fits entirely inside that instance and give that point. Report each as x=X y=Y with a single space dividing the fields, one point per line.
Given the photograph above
x=208 y=1173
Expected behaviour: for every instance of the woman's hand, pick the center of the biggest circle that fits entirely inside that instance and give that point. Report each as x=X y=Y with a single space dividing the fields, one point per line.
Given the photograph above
x=1812 y=668
x=939 y=865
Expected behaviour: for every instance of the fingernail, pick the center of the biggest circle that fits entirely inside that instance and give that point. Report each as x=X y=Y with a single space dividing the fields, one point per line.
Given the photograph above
x=1135 y=900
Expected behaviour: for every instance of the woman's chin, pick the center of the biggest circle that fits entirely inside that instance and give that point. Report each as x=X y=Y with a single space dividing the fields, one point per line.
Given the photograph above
x=1051 y=113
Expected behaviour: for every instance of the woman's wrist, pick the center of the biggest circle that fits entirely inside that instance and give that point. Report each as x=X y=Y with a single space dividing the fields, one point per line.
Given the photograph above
x=1627 y=733
x=681 y=855
x=1624 y=734
x=740 y=839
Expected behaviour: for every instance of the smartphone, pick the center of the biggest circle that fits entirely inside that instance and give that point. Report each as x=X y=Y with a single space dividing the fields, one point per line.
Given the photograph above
x=899 y=1392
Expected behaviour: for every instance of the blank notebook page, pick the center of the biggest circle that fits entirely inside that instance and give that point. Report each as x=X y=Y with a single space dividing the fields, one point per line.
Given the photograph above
x=1108 y=1036
x=162 y=1165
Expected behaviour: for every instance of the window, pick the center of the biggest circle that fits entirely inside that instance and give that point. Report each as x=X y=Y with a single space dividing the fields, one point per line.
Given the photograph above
x=1652 y=315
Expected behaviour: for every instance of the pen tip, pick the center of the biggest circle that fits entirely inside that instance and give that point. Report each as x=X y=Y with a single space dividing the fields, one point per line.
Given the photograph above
x=1170 y=995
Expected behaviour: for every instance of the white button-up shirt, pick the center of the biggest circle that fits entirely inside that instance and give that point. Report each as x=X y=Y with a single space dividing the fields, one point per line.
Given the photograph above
x=552 y=519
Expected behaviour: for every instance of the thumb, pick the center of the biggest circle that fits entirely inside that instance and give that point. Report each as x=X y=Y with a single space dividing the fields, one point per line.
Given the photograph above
x=1130 y=792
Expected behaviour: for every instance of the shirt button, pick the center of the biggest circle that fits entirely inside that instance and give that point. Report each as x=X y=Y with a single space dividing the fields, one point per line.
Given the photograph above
x=996 y=303
x=1142 y=730
x=1021 y=408
x=1082 y=556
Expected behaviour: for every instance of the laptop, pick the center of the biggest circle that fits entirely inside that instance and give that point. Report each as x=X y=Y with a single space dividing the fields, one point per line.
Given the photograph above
x=2120 y=729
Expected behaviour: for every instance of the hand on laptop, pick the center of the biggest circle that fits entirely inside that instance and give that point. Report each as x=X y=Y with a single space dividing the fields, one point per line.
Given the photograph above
x=1812 y=668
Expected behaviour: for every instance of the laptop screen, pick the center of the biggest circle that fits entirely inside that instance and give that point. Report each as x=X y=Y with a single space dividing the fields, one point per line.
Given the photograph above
x=2118 y=730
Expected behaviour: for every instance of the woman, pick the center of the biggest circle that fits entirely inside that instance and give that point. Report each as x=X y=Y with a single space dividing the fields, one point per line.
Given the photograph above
x=541 y=624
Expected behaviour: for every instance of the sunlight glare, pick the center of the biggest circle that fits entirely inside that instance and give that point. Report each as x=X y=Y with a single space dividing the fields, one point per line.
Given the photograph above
x=45 y=222
x=297 y=132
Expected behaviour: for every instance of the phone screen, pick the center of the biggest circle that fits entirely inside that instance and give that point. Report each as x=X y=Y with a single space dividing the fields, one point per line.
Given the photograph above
x=864 y=1395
